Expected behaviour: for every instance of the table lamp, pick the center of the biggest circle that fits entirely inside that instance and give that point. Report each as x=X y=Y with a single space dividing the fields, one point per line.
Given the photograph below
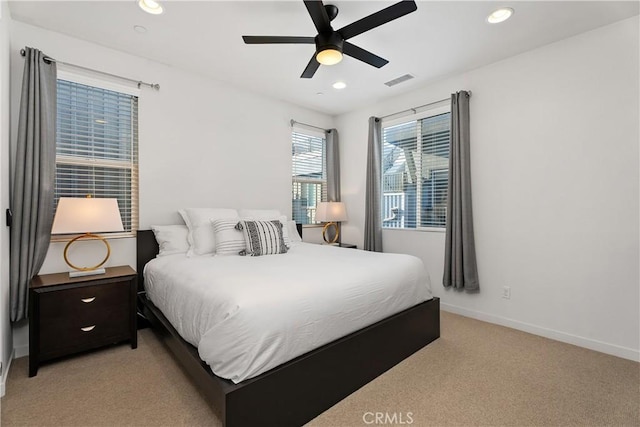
x=332 y=213
x=86 y=216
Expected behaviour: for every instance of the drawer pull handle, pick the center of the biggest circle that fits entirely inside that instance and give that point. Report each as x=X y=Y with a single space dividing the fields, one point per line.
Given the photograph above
x=87 y=300
x=88 y=328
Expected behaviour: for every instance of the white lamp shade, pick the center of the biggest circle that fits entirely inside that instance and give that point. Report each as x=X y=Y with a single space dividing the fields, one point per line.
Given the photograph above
x=331 y=212
x=86 y=215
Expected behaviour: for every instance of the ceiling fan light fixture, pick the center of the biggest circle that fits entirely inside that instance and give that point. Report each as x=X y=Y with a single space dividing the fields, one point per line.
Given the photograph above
x=329 y=48
x=150 y=6
x=500 y=15
x=329 y=56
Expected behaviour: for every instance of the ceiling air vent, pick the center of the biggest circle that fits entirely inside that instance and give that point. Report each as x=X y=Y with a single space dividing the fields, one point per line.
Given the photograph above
x=399 y=80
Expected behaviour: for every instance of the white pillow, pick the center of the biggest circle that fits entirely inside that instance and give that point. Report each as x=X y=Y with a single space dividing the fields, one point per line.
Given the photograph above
x=229 y=240
x=294 y=236
x=201 y=236
x=172 y=239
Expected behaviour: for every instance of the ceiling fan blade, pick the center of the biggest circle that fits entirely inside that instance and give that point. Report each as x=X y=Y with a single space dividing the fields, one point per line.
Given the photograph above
x=318 y=15
x=363 y=55
x=311 y=69
x=379 y=18
x=277 y=39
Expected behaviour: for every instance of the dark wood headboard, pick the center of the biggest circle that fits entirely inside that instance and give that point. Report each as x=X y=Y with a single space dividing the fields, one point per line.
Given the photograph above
x=147 y=249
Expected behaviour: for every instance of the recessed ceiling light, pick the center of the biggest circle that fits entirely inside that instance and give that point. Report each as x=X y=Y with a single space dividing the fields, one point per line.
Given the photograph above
x=139 y=29
x=319 y=93
x=500 y=15
x=339 y=85
x=150 y=6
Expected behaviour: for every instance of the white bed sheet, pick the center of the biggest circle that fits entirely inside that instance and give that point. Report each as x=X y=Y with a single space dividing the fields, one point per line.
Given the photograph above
x=247 y=315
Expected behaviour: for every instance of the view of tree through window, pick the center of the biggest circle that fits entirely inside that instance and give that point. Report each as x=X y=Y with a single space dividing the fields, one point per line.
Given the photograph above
x=309 y=180
x=415 y=172
x=97 y=146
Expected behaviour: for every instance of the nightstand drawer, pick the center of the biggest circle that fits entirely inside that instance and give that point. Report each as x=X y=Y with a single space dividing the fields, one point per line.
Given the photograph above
x=84 y=301
x=88 y=331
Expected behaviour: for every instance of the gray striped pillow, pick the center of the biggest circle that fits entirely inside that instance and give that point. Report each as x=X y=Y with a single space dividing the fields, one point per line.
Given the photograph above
x=262 y=237
x=229 y=240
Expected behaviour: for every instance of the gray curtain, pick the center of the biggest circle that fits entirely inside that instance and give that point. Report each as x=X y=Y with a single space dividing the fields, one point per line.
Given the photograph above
x=333 y=171
x=460 y=266
x=33 y=177
x=373 y=216
x=333 y=166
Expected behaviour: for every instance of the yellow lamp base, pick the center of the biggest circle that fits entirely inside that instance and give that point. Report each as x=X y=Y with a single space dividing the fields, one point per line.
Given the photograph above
x=326 y=228
x=86 y=271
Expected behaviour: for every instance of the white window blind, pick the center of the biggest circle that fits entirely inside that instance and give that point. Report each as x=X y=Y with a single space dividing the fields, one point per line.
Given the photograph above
x=97 y=146
x=415 y=172
x=309 y=180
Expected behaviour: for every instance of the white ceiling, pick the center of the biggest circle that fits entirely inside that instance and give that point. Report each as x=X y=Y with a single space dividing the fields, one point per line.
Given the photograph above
x=439 y=39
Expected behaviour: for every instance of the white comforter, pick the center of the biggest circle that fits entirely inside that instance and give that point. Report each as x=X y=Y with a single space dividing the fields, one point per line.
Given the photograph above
x=247 y=315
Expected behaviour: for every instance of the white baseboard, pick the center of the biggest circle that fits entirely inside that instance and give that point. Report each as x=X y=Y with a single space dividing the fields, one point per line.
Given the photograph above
x=5 y=375
x=603 y=347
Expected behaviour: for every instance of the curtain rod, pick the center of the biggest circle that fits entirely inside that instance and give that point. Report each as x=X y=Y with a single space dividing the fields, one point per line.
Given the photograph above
x=293 y=122
x=413 y=110
x=155 y=86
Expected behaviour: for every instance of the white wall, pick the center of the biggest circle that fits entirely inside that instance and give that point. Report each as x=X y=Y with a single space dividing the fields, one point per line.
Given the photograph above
x=555 y=173
x=6 y=346
x=201 y=142
x=554 y=139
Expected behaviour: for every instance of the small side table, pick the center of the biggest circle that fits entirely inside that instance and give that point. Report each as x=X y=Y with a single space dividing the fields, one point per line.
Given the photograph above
x=346 y=245
x=70 y=315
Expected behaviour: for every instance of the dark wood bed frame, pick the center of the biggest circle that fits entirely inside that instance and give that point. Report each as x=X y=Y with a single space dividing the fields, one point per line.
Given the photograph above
x=299 y=390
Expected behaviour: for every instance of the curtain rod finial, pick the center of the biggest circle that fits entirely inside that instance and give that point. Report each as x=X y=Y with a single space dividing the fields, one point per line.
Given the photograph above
x=23 y=52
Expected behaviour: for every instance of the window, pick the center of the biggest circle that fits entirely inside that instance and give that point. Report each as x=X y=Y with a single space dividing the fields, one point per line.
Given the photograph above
x=309 y=181
x=97 y=146
x=415 y=171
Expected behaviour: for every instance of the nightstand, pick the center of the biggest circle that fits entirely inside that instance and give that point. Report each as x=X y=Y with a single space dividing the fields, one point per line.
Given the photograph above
x=70 y=315
x=346 y=245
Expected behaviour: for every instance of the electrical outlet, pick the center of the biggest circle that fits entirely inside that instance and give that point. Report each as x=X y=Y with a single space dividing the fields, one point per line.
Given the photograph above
x=506 y=292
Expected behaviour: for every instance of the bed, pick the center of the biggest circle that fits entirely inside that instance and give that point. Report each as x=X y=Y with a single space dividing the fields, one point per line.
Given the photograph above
x=276 y=390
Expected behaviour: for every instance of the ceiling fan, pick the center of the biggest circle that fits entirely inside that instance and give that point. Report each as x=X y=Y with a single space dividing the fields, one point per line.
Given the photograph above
x=330 y=43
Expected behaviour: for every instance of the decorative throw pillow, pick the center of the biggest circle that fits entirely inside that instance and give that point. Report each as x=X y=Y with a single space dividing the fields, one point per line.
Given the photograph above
x=262 y=237
x=268 y=215
x=229 y=239
x=172 y=239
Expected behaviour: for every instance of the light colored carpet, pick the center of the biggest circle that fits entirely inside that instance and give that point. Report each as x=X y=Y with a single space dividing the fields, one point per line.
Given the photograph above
x=475 y=374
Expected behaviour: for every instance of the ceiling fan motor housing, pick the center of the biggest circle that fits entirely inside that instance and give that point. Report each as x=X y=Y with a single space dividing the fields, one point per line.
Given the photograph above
x=332 y=40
